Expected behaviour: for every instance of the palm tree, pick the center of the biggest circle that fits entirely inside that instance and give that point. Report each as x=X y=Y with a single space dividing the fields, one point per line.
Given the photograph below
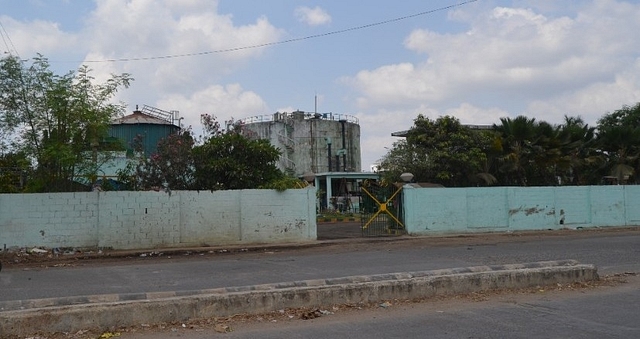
x=513 y=142
x=621 y=146
x=580 y=159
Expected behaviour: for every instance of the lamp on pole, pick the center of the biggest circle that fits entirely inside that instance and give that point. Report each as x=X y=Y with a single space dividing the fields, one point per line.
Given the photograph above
x=406 y=177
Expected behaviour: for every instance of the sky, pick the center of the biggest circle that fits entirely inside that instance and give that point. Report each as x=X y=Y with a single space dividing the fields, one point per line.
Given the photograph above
x=381 y=61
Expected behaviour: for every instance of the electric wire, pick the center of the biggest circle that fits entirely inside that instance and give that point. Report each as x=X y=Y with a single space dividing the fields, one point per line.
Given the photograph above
x=281 y=42
x=11 y=49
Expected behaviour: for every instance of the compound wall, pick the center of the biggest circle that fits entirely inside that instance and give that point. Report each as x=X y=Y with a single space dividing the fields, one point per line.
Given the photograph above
x=135 y=220
x=459 y=210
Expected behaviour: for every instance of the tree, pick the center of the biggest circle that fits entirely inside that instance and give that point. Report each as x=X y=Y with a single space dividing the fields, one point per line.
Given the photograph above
x=625 y=116
x=440 y=151
x=621 y=146
x=59 y=122
x=229 y=160
x=521 y=151
x=532 y=152
x=404 y=157
x=171 y=166
x=619 y=140
x=580 y=156
x=14 y=168
x=515 y=136
x=221 y=159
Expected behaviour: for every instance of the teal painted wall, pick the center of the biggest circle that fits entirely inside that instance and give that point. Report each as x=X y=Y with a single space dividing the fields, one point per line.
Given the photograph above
x=136 y=220
x=151 y=134
x=459 y=210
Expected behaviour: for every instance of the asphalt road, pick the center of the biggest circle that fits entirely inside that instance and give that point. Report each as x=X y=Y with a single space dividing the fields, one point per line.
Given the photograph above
x=612 y=252
x=602 y=312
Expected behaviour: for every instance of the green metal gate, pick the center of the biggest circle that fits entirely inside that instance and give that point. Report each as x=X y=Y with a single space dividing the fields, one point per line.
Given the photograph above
x=381 y=209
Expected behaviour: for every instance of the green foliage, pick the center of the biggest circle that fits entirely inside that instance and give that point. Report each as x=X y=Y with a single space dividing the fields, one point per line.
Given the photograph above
x=520 y=151
x=625 y=116
x=14 y=170
x=581 y=159
x=439 y=151
x=223 y=160
x=127 y=178
x=284 y=183
x=231 y=161
x=619 y=141
x=536 y=153
x=59 y=122
x=404 y=157
x=171 y=166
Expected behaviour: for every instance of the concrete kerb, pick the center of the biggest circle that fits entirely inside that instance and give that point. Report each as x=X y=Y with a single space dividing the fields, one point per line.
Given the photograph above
x=109 y=311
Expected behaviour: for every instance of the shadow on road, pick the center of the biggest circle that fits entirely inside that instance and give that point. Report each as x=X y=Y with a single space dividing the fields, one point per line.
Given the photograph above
x=339 y=230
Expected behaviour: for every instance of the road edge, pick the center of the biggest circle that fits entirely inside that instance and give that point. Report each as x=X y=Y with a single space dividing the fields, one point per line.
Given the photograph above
x=112 y=311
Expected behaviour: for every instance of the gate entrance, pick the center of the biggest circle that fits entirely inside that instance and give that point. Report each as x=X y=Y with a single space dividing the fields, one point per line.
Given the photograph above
x=381 y=209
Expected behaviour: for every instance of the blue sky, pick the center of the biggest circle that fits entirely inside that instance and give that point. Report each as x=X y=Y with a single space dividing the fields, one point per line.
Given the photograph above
x=478 y=61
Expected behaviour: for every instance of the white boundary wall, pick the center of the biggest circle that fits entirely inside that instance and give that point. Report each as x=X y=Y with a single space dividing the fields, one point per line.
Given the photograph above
x=490 y=209
x=137 y=220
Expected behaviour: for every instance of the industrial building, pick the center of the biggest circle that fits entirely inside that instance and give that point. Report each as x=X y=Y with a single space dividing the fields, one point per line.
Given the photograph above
x=139 y=131
x=149 y=125
x=325 y=145
x=310 y=142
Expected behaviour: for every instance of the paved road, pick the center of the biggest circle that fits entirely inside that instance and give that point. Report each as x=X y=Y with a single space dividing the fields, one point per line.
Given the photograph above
x=612 y=252
x=602 y=312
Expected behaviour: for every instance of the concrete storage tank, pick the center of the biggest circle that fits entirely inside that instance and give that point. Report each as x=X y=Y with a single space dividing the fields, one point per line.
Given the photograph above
x=310 y=142
x=150 y=124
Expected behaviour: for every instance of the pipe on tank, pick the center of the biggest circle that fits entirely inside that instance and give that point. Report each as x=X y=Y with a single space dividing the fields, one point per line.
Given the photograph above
x=344 y=146
x=342 y=152
x=329 y=151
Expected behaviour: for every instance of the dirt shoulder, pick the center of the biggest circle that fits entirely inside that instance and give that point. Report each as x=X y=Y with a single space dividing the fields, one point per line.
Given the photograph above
x=47 y=257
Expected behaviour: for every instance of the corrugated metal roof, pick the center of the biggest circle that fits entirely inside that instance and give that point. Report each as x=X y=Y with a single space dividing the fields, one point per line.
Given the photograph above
x=138 y=117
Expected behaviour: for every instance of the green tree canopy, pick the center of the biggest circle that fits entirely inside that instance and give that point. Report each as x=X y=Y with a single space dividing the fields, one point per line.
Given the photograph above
x=229 y=160
x=172 y=165
x=14 y=169
x=619 y=140
x=625 y=116
x=440 y=151
x=581 y=158
x=219 y=160
x=58 y=121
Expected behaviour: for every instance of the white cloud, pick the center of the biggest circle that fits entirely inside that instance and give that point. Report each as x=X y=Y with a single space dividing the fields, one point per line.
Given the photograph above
x=287 y=109
x=592 y=101
x=38 y=36
x=516 y=59
x=223 y=102
x=312 y=16
x=126 y=29
x=169 y=27
x=509 y=61
x=151 y=28
x=376 y=127
x=469 y=114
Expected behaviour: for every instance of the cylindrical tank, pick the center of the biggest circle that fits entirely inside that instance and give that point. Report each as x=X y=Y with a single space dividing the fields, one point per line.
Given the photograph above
x=147 y=128
x=316 y=142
